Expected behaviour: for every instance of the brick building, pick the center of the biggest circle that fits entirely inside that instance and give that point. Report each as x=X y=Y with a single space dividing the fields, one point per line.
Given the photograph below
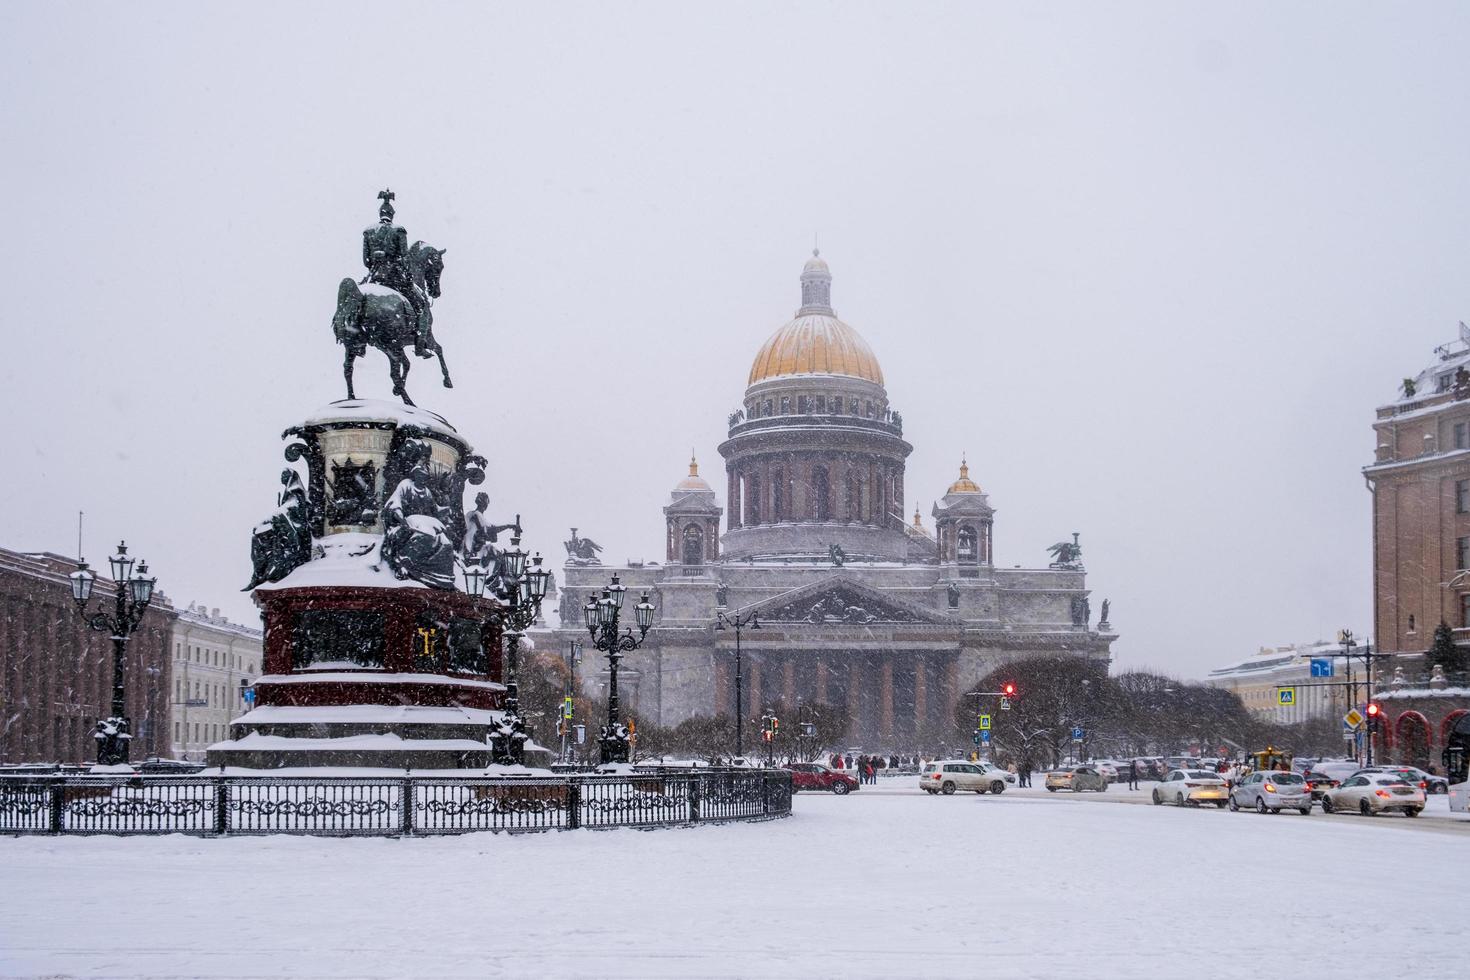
x=1420 y=481
x=56 y=673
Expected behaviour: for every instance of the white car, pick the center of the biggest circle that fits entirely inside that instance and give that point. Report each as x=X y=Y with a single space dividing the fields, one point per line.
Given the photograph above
x=1271 y=791
x=1108 y=769
x=1373 y=793
x=1190 y=787
x=948 y=776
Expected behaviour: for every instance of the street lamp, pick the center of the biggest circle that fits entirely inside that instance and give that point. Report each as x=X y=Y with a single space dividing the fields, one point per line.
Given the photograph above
x=522 y=590
x=602 y=617
x=738 y=623
x=131 y=596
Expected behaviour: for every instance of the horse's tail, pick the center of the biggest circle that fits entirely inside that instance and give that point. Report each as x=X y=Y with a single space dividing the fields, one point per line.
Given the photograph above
x=349 y=310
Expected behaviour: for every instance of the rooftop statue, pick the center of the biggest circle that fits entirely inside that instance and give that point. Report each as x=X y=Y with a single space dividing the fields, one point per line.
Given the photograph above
x=582 y=551
x=390 y=308
x=1066 y=554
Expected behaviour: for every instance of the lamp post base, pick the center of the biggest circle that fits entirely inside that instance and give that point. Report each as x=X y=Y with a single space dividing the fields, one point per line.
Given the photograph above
x=113 y=737
x=508 y=742
x=613 y=744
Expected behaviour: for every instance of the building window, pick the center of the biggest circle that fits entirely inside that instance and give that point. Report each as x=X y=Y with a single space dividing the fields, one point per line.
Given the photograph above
x=768 y=410
x=836 y=404
x=852 y=407
x=785 y=405
x=801 y=404
x=1465 y=609
x=1411 y=622
x=821 y=495
x=1462 y=435
x=176 y=731
x=1462 y=553
x=1443 y=382
x=966 y=549
x=1462 y=496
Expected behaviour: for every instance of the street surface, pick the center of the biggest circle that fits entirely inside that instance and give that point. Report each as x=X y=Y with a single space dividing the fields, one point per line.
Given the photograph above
x=885 y=882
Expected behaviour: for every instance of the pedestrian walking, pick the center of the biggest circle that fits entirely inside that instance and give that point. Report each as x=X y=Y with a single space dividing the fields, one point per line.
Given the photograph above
x=1132 y=773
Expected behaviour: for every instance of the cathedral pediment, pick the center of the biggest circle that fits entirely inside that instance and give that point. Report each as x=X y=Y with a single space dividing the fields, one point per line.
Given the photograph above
x=840 y=601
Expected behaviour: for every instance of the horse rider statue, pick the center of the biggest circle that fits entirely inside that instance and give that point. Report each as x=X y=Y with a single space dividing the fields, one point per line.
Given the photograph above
x=385 y=253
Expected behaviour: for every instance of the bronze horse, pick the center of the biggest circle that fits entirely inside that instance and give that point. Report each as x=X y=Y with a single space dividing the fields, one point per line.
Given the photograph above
x=375 y=315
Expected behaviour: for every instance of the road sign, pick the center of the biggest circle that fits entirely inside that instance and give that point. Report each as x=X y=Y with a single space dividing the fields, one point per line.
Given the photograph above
x=249 y=695
x=581 y=731
x=985 y=737
x=1353 y=718
x=566 y=707
x=1321 y=667
x=1077 y=734
x=196 y=703
x=985 y=723
x=1286 y=696
x=1005 y=704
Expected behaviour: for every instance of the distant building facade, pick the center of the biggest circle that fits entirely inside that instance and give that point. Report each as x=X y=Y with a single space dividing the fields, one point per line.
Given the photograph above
x=214 y=662
x=1258 y=680
x=56 y=672
x=858 y=604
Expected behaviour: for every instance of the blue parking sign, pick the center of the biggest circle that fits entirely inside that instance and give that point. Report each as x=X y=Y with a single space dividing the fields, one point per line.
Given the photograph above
x=985 y=736
x=1321 y=667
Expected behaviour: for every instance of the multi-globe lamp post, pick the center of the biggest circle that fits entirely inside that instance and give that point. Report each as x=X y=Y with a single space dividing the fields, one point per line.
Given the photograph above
x=603 y=622
x=738 y=623
x=522 y=589
x=133 y=591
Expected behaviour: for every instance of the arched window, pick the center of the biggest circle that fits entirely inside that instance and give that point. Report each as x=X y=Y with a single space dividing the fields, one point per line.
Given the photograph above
x=821 y=495
x=693 y=545
x=966 y=548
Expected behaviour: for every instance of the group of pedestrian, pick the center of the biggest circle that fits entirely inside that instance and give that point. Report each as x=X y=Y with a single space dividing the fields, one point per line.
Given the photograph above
x=866 y=767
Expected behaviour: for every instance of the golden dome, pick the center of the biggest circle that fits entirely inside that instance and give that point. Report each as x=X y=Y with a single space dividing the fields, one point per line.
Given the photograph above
x=693 y=481
x=964 y=484
x=816 y=342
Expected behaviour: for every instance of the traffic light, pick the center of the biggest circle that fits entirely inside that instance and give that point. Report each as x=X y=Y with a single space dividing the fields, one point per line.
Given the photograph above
x=1009 y=690
x=775 y=724
x=1375 y=715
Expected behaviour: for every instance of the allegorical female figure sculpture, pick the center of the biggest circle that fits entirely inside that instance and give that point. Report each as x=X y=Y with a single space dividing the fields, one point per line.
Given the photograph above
x=415 y=544
x=282 y=541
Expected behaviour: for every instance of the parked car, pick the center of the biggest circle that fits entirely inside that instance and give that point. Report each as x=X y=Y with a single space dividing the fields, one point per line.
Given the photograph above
x=1191 y=787
x=1108 y=769
x=1271 y=791
x=1338 y=769
x=1373 y=793
x=815 y=776
x=1412 y=774
x=1319 y=783
x=950 y=775
x=1076 y=779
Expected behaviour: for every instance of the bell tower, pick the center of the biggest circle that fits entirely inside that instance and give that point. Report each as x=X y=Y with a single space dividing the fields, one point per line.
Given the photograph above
x=693 y=519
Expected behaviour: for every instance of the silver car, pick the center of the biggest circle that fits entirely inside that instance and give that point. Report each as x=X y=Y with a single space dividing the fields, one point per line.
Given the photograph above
x=1272 y=791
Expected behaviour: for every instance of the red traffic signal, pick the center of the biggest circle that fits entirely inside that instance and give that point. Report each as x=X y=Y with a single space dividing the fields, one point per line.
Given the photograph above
x=1009 y=690
x=1374 y=709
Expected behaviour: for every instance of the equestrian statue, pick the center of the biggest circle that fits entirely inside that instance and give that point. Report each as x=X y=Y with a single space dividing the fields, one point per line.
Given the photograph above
x=390 y=308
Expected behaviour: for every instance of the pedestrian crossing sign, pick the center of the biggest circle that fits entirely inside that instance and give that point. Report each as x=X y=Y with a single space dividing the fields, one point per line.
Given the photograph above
x=985 y=723
x=1285 y=696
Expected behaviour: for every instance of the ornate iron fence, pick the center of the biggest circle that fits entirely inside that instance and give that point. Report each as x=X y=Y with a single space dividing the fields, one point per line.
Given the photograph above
x=386 y=806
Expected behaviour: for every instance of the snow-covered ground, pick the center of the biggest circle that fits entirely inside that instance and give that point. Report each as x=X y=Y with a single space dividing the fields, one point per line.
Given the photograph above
x=882 y=883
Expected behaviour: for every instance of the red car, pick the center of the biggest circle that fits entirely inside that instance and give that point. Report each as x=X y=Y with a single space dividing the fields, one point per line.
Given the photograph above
x=814 y=775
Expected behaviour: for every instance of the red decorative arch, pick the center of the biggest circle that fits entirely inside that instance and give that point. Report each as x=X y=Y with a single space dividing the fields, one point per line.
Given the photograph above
x=1415 y=737
x=1449 y=722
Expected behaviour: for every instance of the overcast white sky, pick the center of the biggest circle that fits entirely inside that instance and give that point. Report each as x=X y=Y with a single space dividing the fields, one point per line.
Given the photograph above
x=1152 y=266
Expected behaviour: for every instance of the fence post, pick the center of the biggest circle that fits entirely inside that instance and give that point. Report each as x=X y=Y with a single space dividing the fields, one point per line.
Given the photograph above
x=221 y=806
x=407 y=802
x=694 y=784
x=765 y=794
x=574 y=803
x=58 y=803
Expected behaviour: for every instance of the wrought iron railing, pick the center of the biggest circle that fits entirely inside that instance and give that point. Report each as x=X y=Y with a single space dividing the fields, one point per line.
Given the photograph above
x=372 y=806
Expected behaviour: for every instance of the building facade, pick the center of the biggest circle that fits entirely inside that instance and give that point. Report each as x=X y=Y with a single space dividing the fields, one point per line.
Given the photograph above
x=1257 y=682
x=56 y=673
x=214 y=663
x=858 y=604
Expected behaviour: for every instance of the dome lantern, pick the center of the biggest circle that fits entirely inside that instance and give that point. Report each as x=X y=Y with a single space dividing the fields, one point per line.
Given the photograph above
x=816 y=287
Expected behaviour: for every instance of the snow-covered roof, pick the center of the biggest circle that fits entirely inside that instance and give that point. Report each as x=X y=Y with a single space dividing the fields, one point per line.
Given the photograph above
x=1439 y=375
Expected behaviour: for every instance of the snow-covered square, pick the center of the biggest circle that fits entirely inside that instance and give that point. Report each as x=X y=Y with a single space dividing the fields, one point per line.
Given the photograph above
x=885 y=882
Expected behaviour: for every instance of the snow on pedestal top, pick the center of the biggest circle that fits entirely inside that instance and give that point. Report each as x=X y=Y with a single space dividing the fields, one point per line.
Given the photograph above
x=377 y=410
x=350 y=558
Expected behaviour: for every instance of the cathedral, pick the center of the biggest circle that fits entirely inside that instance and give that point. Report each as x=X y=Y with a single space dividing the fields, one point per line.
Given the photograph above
x=857 y=603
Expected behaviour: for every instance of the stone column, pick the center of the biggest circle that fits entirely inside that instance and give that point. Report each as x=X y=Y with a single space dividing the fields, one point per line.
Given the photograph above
x=951 y=683
x=921 y=696
x=885 y=697
x=854 y=684
x=821 y=693
x=724 y=683
x=754 y=687
x=732 y=497
x=788 y=682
